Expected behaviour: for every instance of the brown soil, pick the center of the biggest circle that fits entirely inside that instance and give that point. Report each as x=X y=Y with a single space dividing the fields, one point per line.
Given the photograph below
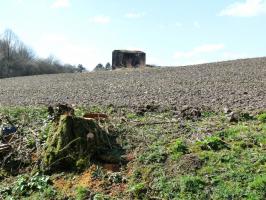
x=235 y=84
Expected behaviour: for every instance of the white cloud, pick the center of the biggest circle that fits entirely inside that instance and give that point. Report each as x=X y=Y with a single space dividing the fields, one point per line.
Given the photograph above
x=60 y=4
x=101 y=19
x=249 y=8
x=203 y=49
x=134 y=15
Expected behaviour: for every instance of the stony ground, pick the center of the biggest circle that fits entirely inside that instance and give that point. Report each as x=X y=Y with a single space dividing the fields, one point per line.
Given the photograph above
x=237 y=84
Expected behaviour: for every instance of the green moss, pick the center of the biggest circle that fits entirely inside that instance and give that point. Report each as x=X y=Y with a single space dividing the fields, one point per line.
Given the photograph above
x=82 y=163
x=68 y=144
x=233 y=161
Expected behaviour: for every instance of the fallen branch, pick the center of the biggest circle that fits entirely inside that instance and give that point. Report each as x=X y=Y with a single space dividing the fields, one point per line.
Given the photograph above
x=4 y=148
x=153 y=123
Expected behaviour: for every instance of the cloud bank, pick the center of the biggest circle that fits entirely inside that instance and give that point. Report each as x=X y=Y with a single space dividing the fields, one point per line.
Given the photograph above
x=249 y=8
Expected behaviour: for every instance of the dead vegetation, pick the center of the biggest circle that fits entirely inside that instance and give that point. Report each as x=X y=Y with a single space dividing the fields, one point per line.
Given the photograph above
x=119 y=153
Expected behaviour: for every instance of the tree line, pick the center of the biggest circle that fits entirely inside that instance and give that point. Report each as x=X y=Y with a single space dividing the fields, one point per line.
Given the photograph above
x=100 y=67
x=16 y=59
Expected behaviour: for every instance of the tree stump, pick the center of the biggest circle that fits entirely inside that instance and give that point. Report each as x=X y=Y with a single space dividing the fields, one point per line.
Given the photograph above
x=72 y=141
x=128 y=59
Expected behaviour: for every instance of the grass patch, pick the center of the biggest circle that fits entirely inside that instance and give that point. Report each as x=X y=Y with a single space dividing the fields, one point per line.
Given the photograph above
x=262 y=117
x=208 y=158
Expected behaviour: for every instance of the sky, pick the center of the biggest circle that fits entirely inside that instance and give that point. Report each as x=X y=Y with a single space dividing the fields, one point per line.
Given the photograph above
x=171 y=32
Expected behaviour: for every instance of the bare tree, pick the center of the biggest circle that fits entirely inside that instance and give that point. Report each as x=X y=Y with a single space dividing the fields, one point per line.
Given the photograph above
x=16 y=59
x=9 y=44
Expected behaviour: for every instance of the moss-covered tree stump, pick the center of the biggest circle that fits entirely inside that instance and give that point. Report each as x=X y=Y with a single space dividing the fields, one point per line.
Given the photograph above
x=72 y=141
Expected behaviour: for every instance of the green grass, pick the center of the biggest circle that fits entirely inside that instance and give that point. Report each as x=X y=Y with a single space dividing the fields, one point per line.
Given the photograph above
x=262 y=117
x=233 y=160
x=209 y=158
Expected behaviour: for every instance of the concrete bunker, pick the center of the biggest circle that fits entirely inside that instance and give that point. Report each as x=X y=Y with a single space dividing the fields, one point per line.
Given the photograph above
x=128 y=59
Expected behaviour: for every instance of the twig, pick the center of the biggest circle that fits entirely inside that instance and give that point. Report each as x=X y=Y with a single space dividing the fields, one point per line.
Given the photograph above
x=58 y=161
x=153 y=123
x=4 y=147
x=65 y=147
x=37 y=141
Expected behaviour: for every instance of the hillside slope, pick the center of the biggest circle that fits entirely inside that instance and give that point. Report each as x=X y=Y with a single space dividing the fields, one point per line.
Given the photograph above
x=239 y=84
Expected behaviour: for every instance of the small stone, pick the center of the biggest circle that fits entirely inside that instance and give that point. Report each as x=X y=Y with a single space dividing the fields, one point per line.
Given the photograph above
x=227 y=110
x=233 y=117
x=191 y=113
x=90 y=136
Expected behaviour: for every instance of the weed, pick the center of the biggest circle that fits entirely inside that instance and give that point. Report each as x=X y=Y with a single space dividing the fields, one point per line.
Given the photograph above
x=228 y=162
x=115 y=177
x=177 y=149
x=138 y=190
x=131 y=116
x=156 y=154
x=259 y=184
x=98 y=173
x=100 y=196
x=167 y=188
x=229 y=190
x=192 y=184
x=49 y=193
x=82 y=193
x=233 y=132
x=82 y=163
x=26 y=185
x=213 y=143
x=262 y=117
x=246 y=117
x=208 y=114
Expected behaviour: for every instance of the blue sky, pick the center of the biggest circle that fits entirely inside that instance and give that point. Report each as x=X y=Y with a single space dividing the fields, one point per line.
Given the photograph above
x=171 y=32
